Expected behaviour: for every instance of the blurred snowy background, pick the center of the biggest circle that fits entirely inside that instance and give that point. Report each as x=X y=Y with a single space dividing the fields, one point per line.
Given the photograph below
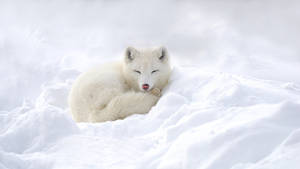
x=233 y=101
x=258 y=38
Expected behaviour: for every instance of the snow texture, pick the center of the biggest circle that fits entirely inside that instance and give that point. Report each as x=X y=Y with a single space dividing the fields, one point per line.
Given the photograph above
x=233 y=101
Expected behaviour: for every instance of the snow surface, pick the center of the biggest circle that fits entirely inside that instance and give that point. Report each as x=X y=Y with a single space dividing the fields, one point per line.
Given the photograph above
x=233 y=101
x=217 y=120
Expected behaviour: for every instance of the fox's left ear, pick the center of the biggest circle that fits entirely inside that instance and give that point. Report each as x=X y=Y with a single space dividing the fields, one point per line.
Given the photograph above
x=130 y=54
x=163 y=54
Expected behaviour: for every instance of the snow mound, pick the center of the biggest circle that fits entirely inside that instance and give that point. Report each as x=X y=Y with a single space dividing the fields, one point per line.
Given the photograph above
x=203 y=120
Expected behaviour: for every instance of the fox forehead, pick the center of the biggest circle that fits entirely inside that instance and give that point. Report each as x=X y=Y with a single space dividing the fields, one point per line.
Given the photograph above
x=146 y=59
x=145 y=64
x=147 y=55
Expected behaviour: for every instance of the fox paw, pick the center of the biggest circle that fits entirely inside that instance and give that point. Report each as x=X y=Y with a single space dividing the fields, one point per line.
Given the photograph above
x=156 y=92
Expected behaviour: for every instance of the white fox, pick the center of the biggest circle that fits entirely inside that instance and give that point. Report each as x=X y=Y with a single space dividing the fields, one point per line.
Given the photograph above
x=117 y=90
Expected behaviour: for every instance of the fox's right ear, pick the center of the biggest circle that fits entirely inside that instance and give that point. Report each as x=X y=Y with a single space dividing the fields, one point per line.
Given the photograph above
x=130 y=54
x=163 y=54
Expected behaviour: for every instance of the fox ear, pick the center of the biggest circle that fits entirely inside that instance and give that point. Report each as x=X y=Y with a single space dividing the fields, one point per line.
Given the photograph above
x=129 y=54
x=163 y=54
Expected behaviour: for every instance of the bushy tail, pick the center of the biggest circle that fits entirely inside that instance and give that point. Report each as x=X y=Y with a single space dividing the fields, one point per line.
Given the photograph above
x=125 y=105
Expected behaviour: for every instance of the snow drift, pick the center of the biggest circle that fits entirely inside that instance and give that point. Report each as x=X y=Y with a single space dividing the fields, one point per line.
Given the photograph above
x=203 y=120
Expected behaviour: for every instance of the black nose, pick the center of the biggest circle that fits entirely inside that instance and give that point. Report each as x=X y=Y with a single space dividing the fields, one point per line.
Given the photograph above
x=145 y=86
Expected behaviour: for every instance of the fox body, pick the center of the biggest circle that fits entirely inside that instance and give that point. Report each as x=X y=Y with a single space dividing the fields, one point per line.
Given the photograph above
x=117 y=90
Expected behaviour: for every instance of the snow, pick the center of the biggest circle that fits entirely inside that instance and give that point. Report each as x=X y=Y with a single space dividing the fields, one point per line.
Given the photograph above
x=217 y=120
x=233 y=101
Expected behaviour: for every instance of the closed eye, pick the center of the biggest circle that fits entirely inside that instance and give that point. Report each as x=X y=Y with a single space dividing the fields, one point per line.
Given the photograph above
x=137 y=71
x=154 y=71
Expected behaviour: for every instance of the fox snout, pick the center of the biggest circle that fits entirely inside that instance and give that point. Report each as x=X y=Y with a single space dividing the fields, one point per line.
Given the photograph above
x=145 y=86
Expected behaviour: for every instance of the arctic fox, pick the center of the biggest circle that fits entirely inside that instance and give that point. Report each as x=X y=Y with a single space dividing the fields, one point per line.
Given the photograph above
x=117 y=90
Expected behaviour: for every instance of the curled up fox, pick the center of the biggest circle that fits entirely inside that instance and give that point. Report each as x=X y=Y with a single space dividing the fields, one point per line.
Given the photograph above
x=117 y=90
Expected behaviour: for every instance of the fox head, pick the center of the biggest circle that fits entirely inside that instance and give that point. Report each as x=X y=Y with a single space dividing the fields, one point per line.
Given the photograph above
x=145 y=69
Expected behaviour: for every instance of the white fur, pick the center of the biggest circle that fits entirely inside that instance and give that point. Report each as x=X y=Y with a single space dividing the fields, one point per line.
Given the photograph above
x=114 y=91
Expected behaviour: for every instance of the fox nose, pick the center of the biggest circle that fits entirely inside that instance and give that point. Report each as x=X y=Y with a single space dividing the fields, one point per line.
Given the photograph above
x=145 y=86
